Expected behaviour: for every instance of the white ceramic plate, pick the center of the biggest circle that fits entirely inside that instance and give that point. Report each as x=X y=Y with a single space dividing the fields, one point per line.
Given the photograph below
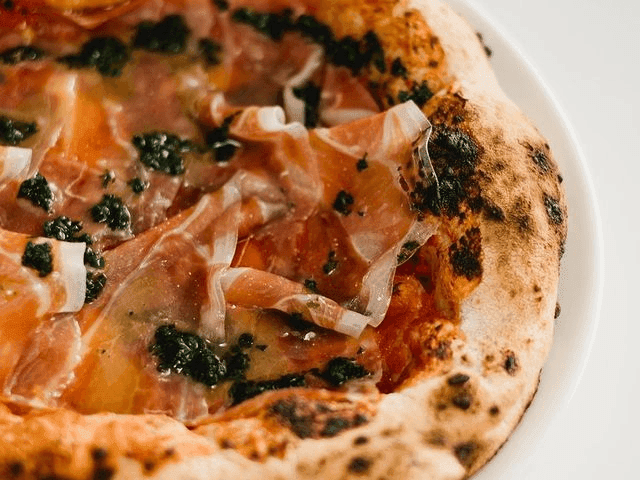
x=582 y=266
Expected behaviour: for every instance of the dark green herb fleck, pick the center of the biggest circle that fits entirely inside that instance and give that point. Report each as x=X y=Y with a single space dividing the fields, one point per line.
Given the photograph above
x=107 y=177
x=13 y=132
x=311 y=285
x=420 y=94
x=112 y=211
x=137 y=185
x=92 y=259
x=187 y=354
x=343 y=203
x=315 y=30
x=245 y=389
x=219 y=142
x=167 y=36
x=331 y=265
x=95 y=284
x=362 y=164
x=237 y=363
x=38 y=257
x=221 y=4
x=310 y=94
x=37 y=191
x=8 y=5
x=340 y=370
x=245 y=340
x=407 y=250
x=107 y=55
x=63 y=228
x=25 y=53
x=209 y=51
x=398 y=69
x=373 y=51
x=273 y=25
x=161 y=151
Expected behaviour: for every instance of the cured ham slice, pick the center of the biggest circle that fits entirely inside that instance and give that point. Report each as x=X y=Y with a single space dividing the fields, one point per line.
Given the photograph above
x=38 y=277
x=231 y=228
x=254 y=288
x=352 y=217
x=164 y=276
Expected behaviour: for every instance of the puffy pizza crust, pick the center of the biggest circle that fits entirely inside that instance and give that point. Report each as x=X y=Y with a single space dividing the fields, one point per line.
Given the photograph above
x=506 y=224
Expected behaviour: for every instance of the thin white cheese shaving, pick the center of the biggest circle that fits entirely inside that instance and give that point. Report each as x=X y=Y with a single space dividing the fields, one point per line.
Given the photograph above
x=73 y=275
x=14 y=162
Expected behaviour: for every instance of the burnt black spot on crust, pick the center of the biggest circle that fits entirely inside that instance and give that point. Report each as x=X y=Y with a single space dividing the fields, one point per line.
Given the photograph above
x=487 y=50
x=556 y=314
x=554 y=211
x=458 y=379
x=359 y=465
x=462 y=400
x=465 y=453
x=315 y=420
x=98 y=454
x=361 y=440
x=286 y=411
x=465 y=255
x=510 y=363
x=454 y=156
x=493 y=411
x=103 y=473
x=541 y=160
x=334 y=426
x=493 y=211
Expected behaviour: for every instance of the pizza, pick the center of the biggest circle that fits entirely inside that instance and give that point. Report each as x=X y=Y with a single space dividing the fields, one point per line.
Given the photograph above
x=271 y=239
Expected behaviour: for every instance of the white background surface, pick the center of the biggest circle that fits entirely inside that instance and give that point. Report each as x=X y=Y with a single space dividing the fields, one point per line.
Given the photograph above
x=588 y=53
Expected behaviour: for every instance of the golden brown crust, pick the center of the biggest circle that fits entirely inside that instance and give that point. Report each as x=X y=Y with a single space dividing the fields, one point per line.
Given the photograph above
x=503 y=229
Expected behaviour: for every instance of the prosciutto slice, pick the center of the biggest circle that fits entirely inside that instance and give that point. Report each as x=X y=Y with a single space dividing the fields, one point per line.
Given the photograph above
x=28 y=295
x=350 y=215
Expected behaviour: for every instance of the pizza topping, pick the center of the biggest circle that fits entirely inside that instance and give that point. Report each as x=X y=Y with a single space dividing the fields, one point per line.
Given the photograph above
x=137 y=185
x=107 y=55
x=95 y=282
x=209 y=51
x=272 y=25
x=25 y=53
x=223 y=147
x=161 y=151
x=58 y=286
x=37 y=191
x=113 y=212
x=14 y=162
x=13 y=132
x=244 y=390
x=398 y=69
x=38 y=257
x=340 y=370
x=362 y=163
x=419 y=93
x=166 y=36
x=63 y=228
x=187 y=354
x=343 y=203
x=108 y=177
x=310 y=94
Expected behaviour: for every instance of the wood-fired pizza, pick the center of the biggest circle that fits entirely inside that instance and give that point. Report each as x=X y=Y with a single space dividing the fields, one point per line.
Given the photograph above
x=271 y=239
